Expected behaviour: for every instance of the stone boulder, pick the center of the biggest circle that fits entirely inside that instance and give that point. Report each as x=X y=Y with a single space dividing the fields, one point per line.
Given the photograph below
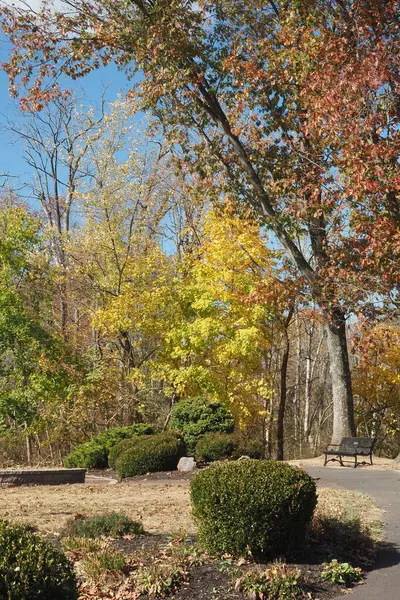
x=186 y=464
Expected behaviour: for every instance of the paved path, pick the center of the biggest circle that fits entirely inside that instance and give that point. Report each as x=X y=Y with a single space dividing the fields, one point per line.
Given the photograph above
x=384 y=486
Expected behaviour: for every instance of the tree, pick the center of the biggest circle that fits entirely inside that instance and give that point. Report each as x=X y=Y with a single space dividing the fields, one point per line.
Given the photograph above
x=56 y=143
x=377 y=380
x=32 y=360
x=119 y=273
x=232 y=84
x=231 y=315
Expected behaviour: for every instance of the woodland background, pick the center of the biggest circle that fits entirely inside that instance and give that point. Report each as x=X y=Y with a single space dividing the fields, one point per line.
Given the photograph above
x=136 y=272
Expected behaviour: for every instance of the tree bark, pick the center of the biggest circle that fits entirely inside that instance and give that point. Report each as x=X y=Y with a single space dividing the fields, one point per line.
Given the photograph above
x=307 y=388
x=342 y=394
x=283 y=388
x=282 y=401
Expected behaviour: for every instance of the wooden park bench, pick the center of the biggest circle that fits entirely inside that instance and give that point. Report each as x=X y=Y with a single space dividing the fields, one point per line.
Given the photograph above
x=350 y=447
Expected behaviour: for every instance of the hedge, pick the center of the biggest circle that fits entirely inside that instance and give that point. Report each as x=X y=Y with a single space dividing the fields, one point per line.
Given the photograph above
x=94 y=453
x=151 y=454
x=256 y=506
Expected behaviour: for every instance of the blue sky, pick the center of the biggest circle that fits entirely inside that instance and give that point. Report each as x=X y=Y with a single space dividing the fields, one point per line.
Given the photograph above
x=93 y=85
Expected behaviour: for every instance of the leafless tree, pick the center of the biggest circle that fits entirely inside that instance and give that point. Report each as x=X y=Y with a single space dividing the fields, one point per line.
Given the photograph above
x=56 y=142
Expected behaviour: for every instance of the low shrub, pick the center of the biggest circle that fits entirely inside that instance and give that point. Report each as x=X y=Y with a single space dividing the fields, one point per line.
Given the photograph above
x=214 y=446
x=256 y=506
x=31 y=569
x=341 y=573
x=89 y=455
x=247 y=447
x=108 y=525
x=153 y=453
x=280 y=582
x=219 y=446
x=94 y=453
x=160 y=580
x=196 y=416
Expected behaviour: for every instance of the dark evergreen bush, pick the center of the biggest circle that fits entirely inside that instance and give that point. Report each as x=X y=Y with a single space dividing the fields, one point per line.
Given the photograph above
x=219 y=446
x=89 y=455
x=151 y=454
x=247 y=447
x=196 y=416
x=256 y=506
x=215 y=446
x=113 y=524
x=94 y=454
x=31 y=569
x=119 y=449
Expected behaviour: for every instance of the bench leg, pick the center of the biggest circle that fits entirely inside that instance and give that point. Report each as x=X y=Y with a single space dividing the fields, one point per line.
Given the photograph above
x=341 y=461
x=326 y=460
x=370 y=456
x=355 y=461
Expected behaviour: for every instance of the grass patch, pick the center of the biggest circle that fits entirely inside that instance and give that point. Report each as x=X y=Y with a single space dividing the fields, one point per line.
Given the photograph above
x=79 y=548
x=108 y=525
x=102 y=565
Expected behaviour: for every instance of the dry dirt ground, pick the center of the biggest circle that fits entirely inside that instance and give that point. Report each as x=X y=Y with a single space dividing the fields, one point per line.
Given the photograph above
x=162 y=505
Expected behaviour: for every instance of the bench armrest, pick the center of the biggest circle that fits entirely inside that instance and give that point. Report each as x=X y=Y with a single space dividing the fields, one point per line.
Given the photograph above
x=329 y=446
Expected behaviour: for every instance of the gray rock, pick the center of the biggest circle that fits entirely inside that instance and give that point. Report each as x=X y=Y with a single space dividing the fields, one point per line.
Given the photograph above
x=186 y=464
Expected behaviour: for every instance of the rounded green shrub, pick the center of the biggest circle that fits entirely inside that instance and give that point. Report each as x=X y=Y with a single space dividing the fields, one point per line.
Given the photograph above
x=214 y=446
x=256 y=506
x=150 y=454
x=112 y=524
x=196 y=416
x=94 y=453
x=31 y=569
x=89 y=455
x=119 y=449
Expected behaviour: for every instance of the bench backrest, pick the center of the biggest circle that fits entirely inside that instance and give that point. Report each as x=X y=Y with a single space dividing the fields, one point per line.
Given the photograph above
x=358 y=445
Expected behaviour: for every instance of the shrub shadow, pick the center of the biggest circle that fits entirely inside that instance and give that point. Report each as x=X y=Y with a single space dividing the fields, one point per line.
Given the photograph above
x=388 y=555
x=347 y=541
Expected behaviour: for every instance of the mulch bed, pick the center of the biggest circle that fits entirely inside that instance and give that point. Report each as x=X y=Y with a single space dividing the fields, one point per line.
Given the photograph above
x=215 y=579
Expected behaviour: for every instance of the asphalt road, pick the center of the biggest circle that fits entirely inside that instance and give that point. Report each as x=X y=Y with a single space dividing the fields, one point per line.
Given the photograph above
x=383 y=582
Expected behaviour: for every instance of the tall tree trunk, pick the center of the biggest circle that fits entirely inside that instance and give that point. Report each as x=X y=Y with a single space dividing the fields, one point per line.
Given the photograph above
x=297 y=390
x=63 y=309
x=307 y=388
x=28 y=446
x=283 y=387
x=342 y=394
x=282 y=401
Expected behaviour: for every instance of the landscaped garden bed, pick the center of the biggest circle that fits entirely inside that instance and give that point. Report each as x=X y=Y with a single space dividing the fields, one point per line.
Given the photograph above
x=165 y=560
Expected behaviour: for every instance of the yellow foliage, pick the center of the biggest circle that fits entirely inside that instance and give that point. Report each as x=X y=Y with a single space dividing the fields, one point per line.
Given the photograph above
x=376 y=378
